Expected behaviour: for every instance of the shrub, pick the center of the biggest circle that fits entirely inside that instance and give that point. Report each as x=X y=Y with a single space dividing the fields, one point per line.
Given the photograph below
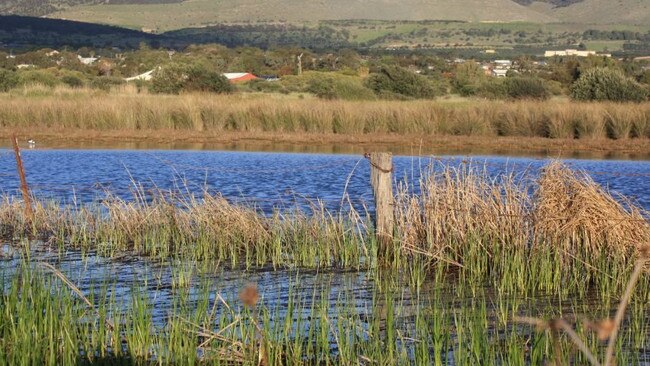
x=261 y=85
x=494 y=88
x=607 y=84
x=174 y=78
x=526 y=88
x=202 y=79
x=72 y=81
x=8 y=80
x=106 y=82
x=400 y=81
x=323 y=88
x=340 y=87
x=469 y=79
x=37 y=77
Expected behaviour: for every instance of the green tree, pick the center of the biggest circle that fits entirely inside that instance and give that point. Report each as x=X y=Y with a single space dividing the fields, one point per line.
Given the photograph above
x=176 y=77
x=398 y=81
x=468 y=78
x=8 y=80
x=607 y=84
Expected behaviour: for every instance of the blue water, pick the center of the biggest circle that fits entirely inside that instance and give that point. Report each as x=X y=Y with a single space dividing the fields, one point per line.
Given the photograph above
x=267 y=180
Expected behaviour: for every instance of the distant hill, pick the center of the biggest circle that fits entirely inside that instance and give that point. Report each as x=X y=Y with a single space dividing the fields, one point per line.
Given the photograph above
x=44 y=7
x=164 y=15
x=21 y=32
x=604 y=12
x=28 y=32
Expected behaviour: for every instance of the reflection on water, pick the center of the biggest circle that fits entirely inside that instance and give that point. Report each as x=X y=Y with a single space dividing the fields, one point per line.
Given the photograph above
x=457 y=148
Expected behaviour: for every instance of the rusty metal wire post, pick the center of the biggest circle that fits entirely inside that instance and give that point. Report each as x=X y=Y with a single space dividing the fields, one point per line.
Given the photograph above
x=29 y=213
x=381 y=174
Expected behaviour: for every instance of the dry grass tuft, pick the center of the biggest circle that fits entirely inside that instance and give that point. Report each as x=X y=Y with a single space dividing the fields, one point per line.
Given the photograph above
x=249 y=296
x=571 y=209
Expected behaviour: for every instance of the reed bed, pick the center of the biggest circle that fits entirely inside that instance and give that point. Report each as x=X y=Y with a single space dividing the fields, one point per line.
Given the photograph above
x=263 y=114
x=474 y=253
x=492 y=229
x=203 y=325
x=557 y=232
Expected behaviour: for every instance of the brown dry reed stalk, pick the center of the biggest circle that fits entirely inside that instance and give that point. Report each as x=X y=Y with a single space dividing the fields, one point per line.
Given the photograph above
x=567 y=211
x=570 y=205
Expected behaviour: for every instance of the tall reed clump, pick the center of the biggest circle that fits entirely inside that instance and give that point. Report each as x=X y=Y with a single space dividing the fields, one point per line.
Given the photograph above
x=209 y=113
x=163 y=225
x=574 y=212
x=493 y=228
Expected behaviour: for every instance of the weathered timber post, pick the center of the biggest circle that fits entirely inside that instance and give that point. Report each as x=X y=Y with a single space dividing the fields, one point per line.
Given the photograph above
x=381 y=179
x=299 y=58
x=29 y=213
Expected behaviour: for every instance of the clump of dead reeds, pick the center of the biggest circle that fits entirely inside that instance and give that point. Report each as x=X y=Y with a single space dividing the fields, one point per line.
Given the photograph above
x=572 y=210
x=462 y=213
x=459 y=205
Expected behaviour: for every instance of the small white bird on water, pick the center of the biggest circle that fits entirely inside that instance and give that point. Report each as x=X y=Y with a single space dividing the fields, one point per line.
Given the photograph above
x=32 y=143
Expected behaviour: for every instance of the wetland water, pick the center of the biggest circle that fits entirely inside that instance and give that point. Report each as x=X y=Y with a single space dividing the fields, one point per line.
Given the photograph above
x=268 y=181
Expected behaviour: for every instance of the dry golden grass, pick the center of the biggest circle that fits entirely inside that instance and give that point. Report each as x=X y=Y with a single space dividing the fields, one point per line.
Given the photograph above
x=571 y=209
x=259 y=113
x=461 y=208
x=72 y=118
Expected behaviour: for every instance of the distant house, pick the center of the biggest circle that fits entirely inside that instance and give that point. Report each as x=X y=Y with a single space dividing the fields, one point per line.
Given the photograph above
x=500 y=73
x=144 y=76
x=503 y=63
x=87 y=60
x=26 y=66
x=574 y=52
x=239 y=77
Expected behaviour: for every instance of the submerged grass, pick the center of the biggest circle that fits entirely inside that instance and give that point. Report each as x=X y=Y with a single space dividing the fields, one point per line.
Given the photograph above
x=42 y=322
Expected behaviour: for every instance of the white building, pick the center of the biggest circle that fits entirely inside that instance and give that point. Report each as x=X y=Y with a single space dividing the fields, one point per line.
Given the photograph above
x=144 y=76
x=87 y=60
x=503 y=63
x=574 y=52
x=500 y=73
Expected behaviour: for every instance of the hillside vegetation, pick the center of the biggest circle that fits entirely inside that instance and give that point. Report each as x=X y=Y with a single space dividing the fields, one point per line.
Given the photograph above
x=163 y=15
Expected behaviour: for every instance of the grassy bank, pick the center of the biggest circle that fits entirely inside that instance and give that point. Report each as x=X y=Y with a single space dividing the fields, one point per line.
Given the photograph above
x=201 y=118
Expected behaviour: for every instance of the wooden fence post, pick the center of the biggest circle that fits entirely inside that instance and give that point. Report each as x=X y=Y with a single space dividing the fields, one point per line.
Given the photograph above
x=381 y=179
x=29 y=213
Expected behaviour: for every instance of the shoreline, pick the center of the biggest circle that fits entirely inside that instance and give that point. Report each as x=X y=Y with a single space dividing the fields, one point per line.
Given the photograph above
x=411 y=144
